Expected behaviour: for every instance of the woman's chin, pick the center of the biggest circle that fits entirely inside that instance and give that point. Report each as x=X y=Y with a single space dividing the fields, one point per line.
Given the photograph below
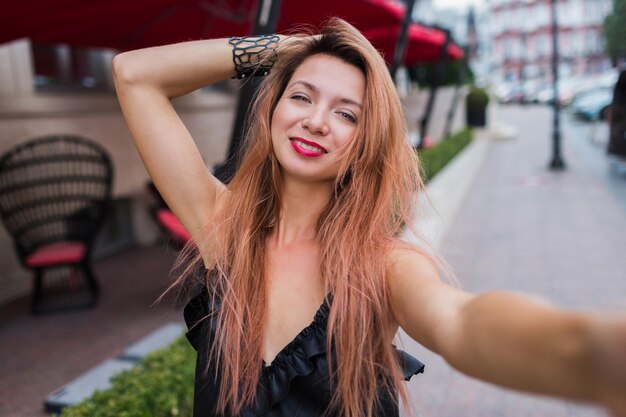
x=307 y=176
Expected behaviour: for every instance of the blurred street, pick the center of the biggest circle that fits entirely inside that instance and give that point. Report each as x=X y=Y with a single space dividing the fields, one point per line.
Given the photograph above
x=559 y=235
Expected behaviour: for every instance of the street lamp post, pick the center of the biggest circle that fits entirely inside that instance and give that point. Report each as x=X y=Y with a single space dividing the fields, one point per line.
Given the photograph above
x=557 y=162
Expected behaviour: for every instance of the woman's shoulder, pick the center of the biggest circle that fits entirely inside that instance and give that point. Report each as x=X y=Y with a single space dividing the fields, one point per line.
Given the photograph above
x=403 y=257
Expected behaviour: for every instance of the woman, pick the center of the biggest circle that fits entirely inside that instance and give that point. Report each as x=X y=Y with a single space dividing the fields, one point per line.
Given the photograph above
x=308 y=229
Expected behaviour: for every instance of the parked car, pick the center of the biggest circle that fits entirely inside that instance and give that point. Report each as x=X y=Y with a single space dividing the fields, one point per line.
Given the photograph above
x=585 y=84
x=546 y=94
x=592 y=105
x=509 y=93
x=531 y=90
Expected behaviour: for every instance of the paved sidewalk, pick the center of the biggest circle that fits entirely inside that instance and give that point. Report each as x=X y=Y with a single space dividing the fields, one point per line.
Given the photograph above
x=524 y=228
x=39 y=354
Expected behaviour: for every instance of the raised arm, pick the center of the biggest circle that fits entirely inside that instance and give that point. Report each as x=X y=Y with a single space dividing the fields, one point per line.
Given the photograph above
x=508 y=339
x=146 y=80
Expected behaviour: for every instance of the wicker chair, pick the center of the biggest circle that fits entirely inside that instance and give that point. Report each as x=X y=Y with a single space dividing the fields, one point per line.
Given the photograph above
x=54 y=194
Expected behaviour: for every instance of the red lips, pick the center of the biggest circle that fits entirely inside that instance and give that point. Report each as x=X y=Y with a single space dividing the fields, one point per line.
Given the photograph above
x=297 y=142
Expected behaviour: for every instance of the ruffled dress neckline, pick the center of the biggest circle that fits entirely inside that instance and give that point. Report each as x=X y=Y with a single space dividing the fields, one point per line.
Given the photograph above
x=320 y=320
x=297 y=381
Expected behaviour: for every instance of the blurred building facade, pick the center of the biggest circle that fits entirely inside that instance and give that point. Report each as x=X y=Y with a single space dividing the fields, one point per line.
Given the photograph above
x=522 y=38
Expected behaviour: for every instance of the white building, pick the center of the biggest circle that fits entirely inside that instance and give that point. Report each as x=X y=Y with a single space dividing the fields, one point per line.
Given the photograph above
x=522 y=38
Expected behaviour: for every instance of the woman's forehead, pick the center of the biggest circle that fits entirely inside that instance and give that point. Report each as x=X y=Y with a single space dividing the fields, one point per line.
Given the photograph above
x=325 y=74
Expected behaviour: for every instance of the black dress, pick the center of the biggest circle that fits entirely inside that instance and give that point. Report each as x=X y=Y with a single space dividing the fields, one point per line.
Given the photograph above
x=295 y=384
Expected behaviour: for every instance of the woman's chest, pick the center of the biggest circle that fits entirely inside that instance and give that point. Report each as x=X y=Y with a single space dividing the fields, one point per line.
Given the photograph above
x=294 y=294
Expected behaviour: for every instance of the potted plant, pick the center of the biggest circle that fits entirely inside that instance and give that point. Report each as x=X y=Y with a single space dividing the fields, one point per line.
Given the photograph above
x=476 y=107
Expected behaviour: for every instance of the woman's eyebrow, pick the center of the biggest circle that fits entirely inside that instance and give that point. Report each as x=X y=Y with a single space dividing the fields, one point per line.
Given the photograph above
x=305 y=84
x=313 y=88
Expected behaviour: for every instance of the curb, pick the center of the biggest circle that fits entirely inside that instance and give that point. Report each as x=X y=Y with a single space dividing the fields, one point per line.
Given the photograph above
x=98 y=378
x=436 y=209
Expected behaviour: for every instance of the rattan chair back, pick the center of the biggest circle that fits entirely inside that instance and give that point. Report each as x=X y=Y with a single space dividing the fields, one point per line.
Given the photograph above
x=54 y=189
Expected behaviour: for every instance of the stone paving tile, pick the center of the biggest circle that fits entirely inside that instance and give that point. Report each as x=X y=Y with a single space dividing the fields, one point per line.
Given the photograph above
x=559 y=235
x=42 y=353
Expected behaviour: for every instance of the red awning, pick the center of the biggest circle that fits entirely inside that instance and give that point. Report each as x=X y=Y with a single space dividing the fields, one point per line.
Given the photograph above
x=122 y=24
x=363 y=14
x=423 y=45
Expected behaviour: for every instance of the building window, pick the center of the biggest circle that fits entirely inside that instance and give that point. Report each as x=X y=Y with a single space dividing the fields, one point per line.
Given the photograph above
x=508 y=49
x=544 y=13
x=590 y=42
x=543 y=45
x=564 y=44
x=67 y=68
x=577 y=43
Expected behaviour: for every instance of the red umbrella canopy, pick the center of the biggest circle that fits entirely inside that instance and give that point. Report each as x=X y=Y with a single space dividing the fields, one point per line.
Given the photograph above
x=363 y=14
x=423 y=44
x=122 y=24
x=133 y=24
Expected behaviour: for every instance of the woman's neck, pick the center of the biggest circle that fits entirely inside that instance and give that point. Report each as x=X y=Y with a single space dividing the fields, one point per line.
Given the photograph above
x=302 y=204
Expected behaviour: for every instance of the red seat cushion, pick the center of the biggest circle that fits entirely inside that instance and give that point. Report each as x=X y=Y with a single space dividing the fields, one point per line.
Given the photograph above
x=57 y=254
x=172 y=225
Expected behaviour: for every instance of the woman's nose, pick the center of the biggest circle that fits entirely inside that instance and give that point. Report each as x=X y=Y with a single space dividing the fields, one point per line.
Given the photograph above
x=316 y=123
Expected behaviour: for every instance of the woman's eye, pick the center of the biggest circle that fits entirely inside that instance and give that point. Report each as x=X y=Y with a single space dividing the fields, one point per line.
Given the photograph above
x=348 y=116
x=300 y=97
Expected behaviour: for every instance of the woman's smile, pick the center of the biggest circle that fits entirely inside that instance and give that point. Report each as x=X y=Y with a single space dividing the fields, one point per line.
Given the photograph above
x=307 y=148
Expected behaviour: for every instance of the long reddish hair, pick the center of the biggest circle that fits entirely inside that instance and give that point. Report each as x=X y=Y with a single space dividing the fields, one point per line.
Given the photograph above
x=367 y=210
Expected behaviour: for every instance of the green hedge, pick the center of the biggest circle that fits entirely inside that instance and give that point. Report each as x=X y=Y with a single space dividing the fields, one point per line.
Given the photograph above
x=435 y=158
x=452 y=73
x=161 y=385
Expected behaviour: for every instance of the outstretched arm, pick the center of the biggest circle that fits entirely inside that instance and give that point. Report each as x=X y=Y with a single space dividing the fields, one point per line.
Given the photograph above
x=508 y=339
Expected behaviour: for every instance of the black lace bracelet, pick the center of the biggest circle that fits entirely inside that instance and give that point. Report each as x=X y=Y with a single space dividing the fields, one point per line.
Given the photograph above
x=254 y=55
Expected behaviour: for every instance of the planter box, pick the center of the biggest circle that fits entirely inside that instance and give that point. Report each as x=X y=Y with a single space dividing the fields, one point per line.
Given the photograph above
x=477 y=117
